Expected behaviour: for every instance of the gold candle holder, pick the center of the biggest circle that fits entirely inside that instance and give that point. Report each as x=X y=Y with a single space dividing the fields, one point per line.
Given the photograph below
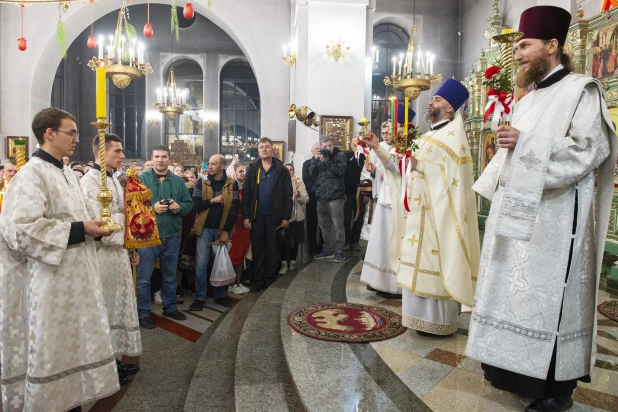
x=363 y=124
x=507 y=39
x=105 y=196
x=20 y=153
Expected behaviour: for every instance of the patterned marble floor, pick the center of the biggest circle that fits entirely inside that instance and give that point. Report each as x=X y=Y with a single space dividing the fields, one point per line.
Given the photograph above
x=437 y=370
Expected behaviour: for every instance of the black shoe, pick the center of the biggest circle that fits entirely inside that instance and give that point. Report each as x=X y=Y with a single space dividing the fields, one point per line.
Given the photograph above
x=420 y=332
x=177 y=315
x=197 y=305
x=180 y=291
x=370 y=289
x=551 y=404
x=123 y=378
x=147 y=323
x=387 y=295
x=256 y=288
x=127 y=369
x=224 y=302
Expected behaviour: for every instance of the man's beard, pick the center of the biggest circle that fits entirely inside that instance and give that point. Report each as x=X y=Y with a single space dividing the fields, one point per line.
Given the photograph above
x=433 y=116
x=537 y=70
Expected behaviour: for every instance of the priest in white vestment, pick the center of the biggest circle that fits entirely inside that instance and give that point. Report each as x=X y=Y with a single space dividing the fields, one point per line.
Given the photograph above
x=115 y=265
x=434 y=248
x=55 y=347
x=551 y=184
x=377 y=272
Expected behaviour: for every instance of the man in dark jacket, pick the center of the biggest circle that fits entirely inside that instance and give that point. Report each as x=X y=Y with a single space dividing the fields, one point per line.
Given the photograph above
x=266 y=207
x=171 y=201
x=328 y=172
x=315 y=245
x=353 y=170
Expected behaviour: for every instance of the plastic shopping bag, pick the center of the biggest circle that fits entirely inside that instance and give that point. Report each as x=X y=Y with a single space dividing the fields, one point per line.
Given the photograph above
x=222 y=269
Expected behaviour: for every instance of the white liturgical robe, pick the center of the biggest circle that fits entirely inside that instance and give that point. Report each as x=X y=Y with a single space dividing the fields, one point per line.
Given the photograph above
x=115 y=269
x=435 y=247
x=526 y=303
x=55 y=347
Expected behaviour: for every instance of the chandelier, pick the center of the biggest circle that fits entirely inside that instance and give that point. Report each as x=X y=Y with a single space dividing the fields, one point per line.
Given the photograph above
x=404 y=78
x=172 y=101
x=122 y=57
x=337 y=50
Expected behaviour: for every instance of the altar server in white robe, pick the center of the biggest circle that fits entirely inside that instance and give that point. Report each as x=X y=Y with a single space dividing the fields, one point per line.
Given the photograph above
x=55 y=347
x=377 y=272
x=533 y=323
x=434 y=248
x=115 y=270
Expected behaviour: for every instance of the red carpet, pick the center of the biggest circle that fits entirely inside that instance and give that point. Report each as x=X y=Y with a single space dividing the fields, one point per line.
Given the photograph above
x=346 y=322
x=609 y=309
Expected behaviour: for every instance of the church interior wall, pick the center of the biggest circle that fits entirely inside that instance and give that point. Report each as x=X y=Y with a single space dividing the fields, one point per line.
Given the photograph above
x=26 y=77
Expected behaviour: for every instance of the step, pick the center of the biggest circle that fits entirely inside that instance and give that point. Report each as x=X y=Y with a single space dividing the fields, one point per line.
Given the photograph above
x=212 y=386
x=335 y=376
x=262 y=381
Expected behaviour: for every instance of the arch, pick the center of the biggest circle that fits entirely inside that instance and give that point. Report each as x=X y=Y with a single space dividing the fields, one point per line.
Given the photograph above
x=43 y=51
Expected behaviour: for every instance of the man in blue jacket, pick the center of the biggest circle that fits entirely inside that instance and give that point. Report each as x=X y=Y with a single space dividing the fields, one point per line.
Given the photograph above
x=171 y=200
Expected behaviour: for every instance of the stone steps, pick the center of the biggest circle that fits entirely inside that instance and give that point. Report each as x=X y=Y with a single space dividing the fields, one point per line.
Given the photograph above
x=261 y=378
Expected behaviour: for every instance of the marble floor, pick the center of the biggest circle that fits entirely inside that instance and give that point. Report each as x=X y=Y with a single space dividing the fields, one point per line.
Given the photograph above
x=248 y=359
x=437 y=370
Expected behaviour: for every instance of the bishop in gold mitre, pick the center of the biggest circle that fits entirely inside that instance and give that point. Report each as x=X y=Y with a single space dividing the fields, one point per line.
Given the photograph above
x=434 y=247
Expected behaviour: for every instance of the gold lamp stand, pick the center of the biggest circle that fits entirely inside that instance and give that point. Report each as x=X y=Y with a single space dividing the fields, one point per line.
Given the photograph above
x=363 y=124
x=105 y=196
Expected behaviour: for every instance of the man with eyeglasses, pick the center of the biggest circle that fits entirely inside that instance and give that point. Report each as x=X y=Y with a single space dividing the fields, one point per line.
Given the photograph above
x=60 y=350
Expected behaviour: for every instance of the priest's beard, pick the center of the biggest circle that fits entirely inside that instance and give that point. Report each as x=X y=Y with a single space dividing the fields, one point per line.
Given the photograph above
x=434 y=116
x=537 y=70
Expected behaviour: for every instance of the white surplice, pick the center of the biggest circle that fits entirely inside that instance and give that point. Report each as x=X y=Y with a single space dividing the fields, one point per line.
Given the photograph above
x=55 y=346
x=525 y=306
x=115 y=270
x=377 y=271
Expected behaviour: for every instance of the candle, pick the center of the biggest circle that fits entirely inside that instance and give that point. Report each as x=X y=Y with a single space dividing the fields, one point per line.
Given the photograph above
x=392 y=116
x=119 y=56
x=394 y=64
x=285 y=53
x=101 y=46
x=101 y=94
x=427 y=66
x=418 y=66
x=400 y=61
x=395 y=110
x=405 y=116
x=431 y=64
x=377 y=55
x=507 y=31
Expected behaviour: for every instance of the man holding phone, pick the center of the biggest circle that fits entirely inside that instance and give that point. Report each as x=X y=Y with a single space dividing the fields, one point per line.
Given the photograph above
x=171 y=200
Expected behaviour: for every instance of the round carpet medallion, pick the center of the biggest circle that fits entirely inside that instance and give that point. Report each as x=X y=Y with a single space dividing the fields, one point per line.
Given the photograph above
x=609 y=309
x=346 y=322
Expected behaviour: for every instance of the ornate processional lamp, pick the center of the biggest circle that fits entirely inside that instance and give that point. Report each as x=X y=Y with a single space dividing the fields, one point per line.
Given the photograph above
x=507 y=39
x=171 y=101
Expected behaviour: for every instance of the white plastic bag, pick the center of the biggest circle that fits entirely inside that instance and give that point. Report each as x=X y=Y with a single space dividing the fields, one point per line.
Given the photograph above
x=222 y=269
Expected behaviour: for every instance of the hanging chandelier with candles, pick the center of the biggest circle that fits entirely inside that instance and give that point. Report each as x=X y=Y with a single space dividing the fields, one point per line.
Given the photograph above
x=122 y=56
x=172 y=101
x=404 y=77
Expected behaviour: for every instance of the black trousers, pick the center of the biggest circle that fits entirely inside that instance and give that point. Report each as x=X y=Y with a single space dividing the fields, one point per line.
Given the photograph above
x=315 y=246
x=265 y=250
x=353 y=229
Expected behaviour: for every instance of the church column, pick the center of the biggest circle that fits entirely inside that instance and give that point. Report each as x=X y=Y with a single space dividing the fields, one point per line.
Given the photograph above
x=329 y=87
x=211 y=104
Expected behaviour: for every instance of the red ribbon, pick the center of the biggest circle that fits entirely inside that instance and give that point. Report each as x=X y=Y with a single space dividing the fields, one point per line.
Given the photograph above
x=502 y=96
x=404 y=178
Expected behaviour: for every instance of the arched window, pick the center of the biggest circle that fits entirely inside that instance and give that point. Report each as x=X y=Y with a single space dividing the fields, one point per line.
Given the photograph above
x=390 y=41
x=127 y=108
x=239 y=111
x=189 y=126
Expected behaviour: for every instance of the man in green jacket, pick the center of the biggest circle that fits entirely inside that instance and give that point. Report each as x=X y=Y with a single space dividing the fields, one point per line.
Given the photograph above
x=171 y=200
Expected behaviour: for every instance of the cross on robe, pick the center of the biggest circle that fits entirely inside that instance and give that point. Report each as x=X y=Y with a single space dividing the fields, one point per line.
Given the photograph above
x=413 y=240
x=463 y=148
x=418 y=199
x=451 y=133
x=455 y=182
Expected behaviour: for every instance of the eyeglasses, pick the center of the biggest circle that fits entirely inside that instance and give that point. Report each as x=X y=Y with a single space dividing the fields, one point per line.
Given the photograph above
x=74 y=135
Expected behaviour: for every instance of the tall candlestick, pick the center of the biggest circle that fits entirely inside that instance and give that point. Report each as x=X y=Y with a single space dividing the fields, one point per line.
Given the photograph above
x=395 y=110
x=392 y=117
x=101 y=93
x=405 y=116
